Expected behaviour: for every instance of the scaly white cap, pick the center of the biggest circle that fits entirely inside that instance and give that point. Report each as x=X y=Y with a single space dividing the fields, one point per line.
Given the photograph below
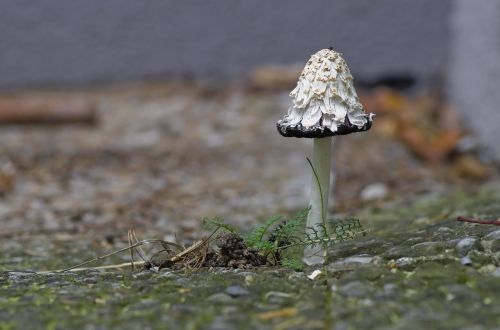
x=325 y=102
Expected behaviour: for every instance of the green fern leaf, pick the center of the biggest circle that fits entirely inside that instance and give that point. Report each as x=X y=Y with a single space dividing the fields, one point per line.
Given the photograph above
x=217 y=223
x=257 y=236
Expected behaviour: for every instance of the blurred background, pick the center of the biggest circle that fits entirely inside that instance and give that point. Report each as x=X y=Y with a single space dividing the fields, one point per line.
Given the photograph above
x=156 y=114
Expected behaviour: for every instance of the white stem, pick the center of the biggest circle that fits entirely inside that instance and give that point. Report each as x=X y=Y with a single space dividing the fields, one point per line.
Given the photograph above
x=319 y=197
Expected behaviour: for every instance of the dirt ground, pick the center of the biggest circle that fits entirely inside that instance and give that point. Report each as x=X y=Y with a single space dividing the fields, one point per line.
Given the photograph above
x=164 y=156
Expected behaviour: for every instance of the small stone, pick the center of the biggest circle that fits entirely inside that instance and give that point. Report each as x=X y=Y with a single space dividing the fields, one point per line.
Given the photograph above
x=374 y=191
x=368 y=272
x=350 y=262
x=496 y=272
x=406 y=263
x=366 y=302
x=228 y=310
x=390 y=289
x=416 y=240
x=146 y=304
x=276 y=297
x=488 y=269
x=465 y=261
x=168 y=275
x=54 y=281
x=236 y=291
x=494 y=235
x=143 y=275
x=19 y=274
x=428 y=248
x=445 y=230
x=356 y=289
x=372 y=246
x=359 y=260
x=479 y=257
x=461 y=293
x=465 y=245
x=249 y=279
x=377 y=260
x=273 y=273
x=296 y=276
x=220 y=298
x=491 y=241
x=90 y=280
x=397 y=252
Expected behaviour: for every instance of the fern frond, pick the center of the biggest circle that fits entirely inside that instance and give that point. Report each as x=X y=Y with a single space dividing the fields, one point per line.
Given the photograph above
x=217 y=223
x=257 y=235
x=340 y=231
x=345 y=229
x=293 y=226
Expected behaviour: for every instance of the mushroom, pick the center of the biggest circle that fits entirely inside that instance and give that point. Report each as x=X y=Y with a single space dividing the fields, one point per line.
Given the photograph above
x=325 y=104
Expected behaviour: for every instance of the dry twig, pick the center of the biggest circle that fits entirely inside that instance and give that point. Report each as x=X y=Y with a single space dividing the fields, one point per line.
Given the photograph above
x=479 y=221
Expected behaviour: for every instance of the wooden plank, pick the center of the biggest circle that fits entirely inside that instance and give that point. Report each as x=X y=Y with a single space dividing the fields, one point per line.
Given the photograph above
x=16 y=110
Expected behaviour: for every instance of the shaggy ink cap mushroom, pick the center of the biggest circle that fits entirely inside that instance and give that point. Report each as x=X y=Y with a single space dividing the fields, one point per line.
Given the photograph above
x=325 y=102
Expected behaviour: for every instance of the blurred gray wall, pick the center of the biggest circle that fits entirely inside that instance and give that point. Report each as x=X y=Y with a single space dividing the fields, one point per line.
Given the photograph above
x=475 y=68
x=85 y=41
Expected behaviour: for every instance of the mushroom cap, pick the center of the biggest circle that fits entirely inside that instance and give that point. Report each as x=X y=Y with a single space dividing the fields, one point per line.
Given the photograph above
x=325 y=102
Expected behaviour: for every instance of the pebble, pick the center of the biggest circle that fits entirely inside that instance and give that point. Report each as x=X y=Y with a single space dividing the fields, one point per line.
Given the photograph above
x=90 y=280
x=488 y=269
x=168 y=275
x=406 y=263
x=491 y=242
x=276 y=297
x=145 y=304
x=357 y=260
x=465 y=245
x=20 y=274
x=249 y=279
x=397 y=252
x=143 y=275
x=356 y=289
x=390 y=289
x=275 y=273
x=237 y=291
x=494 y=235
x=55 y=281
x=465 y=261
x=374 y=191
x=220 y=298
x=496 y=272
x=462 y=293
x=445 y=230
x=428 y=248
x=296 y=276
x=372 y=246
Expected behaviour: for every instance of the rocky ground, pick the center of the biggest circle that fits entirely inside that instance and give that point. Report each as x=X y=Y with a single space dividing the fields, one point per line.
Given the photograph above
x=164 y=157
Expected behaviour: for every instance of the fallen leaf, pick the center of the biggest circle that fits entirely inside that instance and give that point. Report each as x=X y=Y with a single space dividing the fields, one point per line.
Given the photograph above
x=315 y=274
x=285 y=312
x=469 y=167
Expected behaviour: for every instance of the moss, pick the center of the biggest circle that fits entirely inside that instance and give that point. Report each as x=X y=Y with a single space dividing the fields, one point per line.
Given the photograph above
x=434 y=287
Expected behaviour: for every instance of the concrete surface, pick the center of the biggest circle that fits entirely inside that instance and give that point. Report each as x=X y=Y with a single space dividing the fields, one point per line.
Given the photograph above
x=474 y=71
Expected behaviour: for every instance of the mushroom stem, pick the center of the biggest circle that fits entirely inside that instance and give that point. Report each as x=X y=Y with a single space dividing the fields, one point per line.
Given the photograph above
x=320 y=189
